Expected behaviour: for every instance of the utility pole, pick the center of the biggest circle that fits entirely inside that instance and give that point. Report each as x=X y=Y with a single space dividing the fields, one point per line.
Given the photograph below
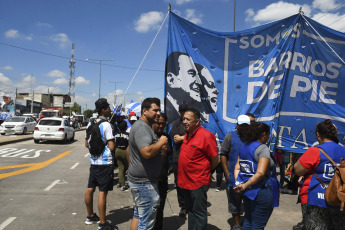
x=115 y=96
x=32 y=102
x=234 y=15
x=15 y=102
x=71 y=83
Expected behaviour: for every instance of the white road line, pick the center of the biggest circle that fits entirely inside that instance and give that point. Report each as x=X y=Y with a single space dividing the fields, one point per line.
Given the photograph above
x=7 y=222
x=87 y=155
x=75 y=165
x=52 y=185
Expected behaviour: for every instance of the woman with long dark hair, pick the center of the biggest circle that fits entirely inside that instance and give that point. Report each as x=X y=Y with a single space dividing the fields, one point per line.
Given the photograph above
x=256 y=176
x=318 y=171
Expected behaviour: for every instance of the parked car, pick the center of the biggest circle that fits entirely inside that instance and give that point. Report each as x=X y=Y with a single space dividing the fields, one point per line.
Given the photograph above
x=52 y=128
x=17 y=125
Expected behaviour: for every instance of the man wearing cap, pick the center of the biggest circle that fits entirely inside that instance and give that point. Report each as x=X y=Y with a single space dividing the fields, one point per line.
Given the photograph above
x=102 y=168
x=145 y=150
x=178 y=132
x=229 y=152
x=198 y=156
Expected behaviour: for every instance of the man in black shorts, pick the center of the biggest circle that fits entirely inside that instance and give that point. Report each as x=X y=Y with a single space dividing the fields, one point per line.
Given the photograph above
x=102 y=169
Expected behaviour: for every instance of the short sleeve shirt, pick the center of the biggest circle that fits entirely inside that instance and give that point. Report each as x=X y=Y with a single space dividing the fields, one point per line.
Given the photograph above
x=106 y=130
x=309 y=160
x=142 y=170
x=194 y=165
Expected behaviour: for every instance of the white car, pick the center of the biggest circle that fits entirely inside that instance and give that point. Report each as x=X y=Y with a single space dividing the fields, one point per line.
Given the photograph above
x=53 y=129
x=17 y=125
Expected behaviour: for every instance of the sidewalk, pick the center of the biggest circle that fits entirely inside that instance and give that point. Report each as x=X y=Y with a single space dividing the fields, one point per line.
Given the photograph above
x=119 y=211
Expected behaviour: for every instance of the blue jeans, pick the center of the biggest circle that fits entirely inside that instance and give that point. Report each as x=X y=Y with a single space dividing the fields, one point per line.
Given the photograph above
x=258 y=211
x=146 y=202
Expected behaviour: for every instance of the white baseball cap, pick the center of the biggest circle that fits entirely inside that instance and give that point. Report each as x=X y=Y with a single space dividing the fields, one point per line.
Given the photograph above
x=243 y=119
x=133 y=118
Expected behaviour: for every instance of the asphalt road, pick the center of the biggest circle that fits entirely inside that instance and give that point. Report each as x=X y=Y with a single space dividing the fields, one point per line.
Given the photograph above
x=42 y=187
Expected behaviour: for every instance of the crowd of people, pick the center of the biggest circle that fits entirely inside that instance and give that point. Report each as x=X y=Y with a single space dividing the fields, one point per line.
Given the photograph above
x=145 y=152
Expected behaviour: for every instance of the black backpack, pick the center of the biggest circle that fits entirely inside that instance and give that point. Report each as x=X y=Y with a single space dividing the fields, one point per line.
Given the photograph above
x=94 y=138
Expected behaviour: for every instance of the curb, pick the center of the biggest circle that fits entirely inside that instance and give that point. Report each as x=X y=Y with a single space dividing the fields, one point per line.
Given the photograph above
x=19 y=139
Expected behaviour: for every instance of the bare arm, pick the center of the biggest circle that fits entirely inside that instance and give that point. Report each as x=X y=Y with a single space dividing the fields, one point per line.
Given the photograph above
x=178 y=138
x=111 y=145
x=215 y=161
x=225 y=166
x=150 y=151
x=127 y=154
x=299 y=169
x=86 y=144
x=263 y=165
x=237 y=168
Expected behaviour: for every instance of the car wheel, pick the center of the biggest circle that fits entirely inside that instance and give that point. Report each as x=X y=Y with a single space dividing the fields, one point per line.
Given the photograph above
x=36 y=141
x=3 y=133
x=64 y=141
x=24 y=131
x=72 y=138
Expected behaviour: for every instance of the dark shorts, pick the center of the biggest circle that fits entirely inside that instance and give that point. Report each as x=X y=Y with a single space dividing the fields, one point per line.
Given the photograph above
x=101 y=176
x=235 y=201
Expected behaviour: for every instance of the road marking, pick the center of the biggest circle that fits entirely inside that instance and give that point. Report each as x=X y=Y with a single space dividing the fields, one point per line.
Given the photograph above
x=75 y=165
x=87 y=154
x=7 y=222
x=52 y=185
x=31 y=167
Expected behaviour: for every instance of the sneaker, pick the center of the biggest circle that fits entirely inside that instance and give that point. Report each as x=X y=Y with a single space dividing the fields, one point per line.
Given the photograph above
x=92 y=220
x=183 y=212
x=236 y=227
x=106 y=226
x=124 y=188
x=217 y=189
x=299 y=226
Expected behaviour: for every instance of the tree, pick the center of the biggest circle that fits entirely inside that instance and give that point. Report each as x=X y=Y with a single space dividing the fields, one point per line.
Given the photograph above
x=88 y=113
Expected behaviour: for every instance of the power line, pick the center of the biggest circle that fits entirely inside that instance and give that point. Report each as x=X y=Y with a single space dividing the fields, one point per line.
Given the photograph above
x=80 y=60
x=336 y=20
x=331 y=10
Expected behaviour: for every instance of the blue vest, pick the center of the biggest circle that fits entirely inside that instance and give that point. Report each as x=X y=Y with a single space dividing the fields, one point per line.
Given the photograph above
x=236 y=145
x=248 y=167
x=325 y=170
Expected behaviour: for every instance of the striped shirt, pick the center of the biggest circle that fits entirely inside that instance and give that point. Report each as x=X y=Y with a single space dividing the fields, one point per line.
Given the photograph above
x=106 y=130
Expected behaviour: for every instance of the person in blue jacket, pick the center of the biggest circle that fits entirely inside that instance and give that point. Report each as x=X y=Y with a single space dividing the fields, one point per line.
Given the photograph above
x=318 y=214
x=256 y=177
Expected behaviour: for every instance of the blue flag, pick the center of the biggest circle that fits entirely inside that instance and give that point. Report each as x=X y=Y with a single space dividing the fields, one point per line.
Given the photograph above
x=287 y=73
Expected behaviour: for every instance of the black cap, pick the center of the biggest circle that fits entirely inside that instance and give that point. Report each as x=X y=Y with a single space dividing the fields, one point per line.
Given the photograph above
x=101 y=104
x=182 y=107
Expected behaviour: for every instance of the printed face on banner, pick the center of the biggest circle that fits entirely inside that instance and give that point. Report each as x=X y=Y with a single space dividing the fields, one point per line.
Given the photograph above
x=190 y=83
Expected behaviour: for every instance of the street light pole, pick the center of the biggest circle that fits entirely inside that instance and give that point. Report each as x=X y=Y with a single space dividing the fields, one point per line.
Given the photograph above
x=115 y=96
x=100 y=72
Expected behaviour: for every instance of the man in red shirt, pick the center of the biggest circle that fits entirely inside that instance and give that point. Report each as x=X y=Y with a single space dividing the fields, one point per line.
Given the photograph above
x=198 y=156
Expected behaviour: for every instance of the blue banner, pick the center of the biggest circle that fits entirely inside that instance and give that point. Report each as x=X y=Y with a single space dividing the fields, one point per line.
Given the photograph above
x=288 y=73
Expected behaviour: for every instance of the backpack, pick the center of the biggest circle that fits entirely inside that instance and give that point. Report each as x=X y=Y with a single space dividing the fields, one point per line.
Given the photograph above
x=335 y=191
x=94 y=138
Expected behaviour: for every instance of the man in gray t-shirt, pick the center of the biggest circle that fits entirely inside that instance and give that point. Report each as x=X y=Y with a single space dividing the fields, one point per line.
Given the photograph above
x=144 y=165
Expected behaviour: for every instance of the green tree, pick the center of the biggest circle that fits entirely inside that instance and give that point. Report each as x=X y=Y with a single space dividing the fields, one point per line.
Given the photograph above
x=88 y=113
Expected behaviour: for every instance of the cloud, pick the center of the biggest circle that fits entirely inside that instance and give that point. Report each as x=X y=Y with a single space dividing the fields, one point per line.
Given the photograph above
x=180 y=2
x=29 y=80
x=276 y=11
x=81 y=81
x=15 y=34
x=44 y=89
x=60 y=81
x=82 y=100
x=192 y=16
x=7 y=67
x=148 y=21
x=62 y=39
x=4 y=80
x=139 y=92
x=94 y=94
x=43 y=24
x=324 y=6
x=334 y=21
x=56 y=73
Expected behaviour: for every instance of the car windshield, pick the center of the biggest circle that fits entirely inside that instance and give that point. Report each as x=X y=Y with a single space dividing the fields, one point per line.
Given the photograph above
x=16 y=119
x=50 y=122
